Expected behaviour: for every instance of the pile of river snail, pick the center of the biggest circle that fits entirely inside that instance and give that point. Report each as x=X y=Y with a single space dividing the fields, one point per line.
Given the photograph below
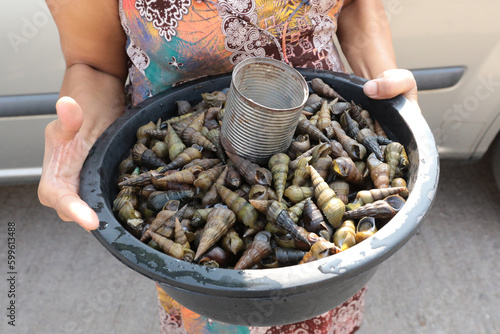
x=339 y=181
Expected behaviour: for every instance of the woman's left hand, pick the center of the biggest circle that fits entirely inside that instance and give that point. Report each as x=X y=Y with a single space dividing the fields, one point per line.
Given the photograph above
x=392 y=83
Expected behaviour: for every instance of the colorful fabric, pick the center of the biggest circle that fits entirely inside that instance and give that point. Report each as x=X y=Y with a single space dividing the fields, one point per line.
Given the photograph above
x=173 y=41
x=345 y=319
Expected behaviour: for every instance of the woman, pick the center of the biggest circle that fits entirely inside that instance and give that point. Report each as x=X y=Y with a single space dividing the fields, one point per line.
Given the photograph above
x=158 y=43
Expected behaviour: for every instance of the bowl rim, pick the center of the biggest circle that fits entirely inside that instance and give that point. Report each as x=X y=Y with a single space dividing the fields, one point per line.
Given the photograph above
x=263 y=283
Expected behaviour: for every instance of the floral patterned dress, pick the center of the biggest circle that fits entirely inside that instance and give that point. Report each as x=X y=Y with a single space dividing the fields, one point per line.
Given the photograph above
x=173 y=41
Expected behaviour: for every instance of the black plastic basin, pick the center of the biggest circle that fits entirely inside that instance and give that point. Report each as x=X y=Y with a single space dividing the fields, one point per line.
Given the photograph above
x=271 y=296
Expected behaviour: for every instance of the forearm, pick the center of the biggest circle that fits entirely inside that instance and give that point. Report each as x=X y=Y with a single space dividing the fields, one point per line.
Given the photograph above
x=365 y=38
x=100 y=95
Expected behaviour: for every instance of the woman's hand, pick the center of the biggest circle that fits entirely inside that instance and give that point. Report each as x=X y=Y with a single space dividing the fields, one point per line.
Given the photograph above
x=65 y=152
x=392 y=83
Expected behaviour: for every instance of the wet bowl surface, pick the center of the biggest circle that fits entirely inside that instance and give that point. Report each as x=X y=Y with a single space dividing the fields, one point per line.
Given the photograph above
x=271 y=296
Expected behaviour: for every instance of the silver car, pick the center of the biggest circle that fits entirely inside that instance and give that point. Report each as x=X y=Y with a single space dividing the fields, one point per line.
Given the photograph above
x=453 y=54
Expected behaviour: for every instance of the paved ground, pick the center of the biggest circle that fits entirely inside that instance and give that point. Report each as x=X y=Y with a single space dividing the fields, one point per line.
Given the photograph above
x=446 y=279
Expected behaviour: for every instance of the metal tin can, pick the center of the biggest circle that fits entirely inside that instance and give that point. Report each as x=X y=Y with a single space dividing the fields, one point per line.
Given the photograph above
x=263 y=106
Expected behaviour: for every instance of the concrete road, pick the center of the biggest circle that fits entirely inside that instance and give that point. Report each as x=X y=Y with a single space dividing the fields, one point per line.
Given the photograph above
x=446 y=279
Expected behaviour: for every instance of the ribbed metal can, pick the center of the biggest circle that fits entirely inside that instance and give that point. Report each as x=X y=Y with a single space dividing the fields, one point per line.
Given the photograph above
x=263 y=106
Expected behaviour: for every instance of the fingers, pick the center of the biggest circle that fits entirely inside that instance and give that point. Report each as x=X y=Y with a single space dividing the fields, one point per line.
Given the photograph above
x=392 y=83
x=68 y=206
x=71 y=208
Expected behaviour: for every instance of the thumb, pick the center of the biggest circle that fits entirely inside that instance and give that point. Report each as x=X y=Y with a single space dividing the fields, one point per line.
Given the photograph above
x=70 y=118
x=391 y=84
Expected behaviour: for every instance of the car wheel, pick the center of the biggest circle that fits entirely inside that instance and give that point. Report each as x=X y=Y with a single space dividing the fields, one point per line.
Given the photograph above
x=496 y=160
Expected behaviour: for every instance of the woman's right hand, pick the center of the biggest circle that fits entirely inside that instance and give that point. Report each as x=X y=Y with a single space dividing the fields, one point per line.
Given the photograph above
x=65 y=151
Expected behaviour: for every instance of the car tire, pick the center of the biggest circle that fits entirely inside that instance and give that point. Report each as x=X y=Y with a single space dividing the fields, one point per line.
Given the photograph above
x=496 y=160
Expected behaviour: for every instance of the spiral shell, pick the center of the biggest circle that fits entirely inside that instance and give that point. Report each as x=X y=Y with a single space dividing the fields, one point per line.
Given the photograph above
x=301 y=173
x=313 y=104
x=319 y=250
x=379 y=172
x=192 y=134
x=313 y=219
x=341 y=189
x=141 y=133
x=386 y=208
x=189 y=154
x=323 y=89
x=297 y=194
x=393 y=156
x=344 y=237
x=259 y=249
x=232 y=242
x=277 y=213
x=354 y=149
x=365 y=229
x=252 y=172
x=346 y=168
x=299 y=145
x=146 y=157
x=175 y=144
x=369 y=196
x=306 y=127
x=288 y=257
x=172 y=248
x=207 y=178
x=332 y=207
x=400 y=182
x=324 y=123
x=245 y=212
x=219 y=221
x=278 y=164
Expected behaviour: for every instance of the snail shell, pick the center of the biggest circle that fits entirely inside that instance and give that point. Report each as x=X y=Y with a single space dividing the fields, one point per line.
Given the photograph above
x=305 y=126
x=297 y=194
x=386 y=208
x=344 y=237
x=365 y=229
x=393 y=156
x=172 y=248
x=276 y=212
x=332 y=207
x=321 y=249
x=288 y=256
x=206 y=178
x=379 y=172
x=341 y=189
x=175 y=144
x=354 y=149
x=183 y=107
x=245 y=212
x=324 y=123
x=313 y=104
x=146 y=157
x=299 y=145
x=301 y=173
x=346 y=168
x=259 y=249
x=252 y=172
x=278 y=164
x=323 y=89
x=189 y=154
x=232 y=242
x=219 y=221
x=141 y=133
x=369 y=196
